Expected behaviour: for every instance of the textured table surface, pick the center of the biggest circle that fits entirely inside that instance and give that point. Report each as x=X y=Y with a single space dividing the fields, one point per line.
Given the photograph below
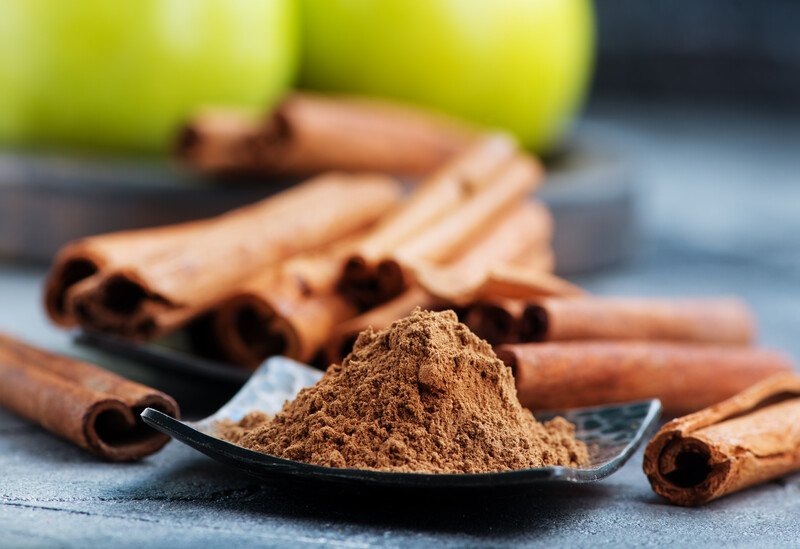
x=720 y=214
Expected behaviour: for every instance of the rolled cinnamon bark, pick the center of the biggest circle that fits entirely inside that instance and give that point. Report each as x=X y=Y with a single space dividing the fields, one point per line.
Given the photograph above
x=454 y=234
x=221 y=141
x=448 y=187
x=513 y=281
x=495 y=320
x=685 y=377
x=85 y=258
x=516 y=238
x=748 y=439
x=308 y=326
x=148 y=296
x=308 y=134
x=511 y=241
x=89 y=406
x=249 y=328
x=723 y=320
x=289 y=310
x=512 y=237
x=436 y=197
x=539 y=256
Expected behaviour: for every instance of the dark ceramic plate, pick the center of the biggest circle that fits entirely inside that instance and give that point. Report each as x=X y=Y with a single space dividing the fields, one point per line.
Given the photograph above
x=611 y=432
x=589 y=190
x=161 y=356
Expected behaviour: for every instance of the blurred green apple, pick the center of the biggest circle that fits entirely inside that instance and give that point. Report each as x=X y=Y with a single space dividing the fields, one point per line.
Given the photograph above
x=522 y=65
x=123 y=73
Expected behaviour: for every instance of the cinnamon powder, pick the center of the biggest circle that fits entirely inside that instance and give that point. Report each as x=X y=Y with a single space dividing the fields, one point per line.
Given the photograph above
x=424 y=395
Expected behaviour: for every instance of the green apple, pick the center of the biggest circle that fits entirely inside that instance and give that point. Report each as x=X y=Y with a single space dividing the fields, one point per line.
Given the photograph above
x=522 y=65
x=124 y=73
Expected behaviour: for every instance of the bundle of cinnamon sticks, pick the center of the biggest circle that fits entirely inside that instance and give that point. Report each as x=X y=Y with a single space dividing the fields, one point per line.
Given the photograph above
x=589 y=350
x=146 y=283
x=302 y=272
x=290 y=274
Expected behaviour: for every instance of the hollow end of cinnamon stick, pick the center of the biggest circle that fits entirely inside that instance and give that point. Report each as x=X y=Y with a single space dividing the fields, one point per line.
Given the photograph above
x=355 y=268
x=115 y=431
x=122 y=305
x=745 y=440
x=80 y=402
x=687 y=464
x=188 y=142
x=509 y=358
x=392 y=279
x=367 y=286
x=492 y=321
x=247 y=332
x=65 y=276
x=533 y=324
x=685 y=470
x=120 y=295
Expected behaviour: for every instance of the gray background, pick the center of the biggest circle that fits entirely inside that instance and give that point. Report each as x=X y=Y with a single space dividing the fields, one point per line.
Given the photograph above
x=745 y=51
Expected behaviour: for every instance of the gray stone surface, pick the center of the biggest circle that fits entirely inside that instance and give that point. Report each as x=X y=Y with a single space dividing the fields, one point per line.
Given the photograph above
x=720 y=199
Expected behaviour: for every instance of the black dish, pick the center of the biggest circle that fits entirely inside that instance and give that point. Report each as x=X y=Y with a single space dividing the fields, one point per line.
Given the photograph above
x=612 y=433
x=589 y=190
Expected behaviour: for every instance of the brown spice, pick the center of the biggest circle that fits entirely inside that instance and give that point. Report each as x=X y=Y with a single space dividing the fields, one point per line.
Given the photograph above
x=423 y=395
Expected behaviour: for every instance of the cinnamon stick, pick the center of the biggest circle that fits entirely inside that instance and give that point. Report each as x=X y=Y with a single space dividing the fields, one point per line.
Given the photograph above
x=508 y=280
x=519 y=282
x=308 y=134
x=511 y=238
x=748 y=439
x=290 y=311
x=725 y=321
x=495 y=320
x=454 y=234
x=220 y=141
x=436 y=197
x=685 y=377
x=144 y=297
x=448 y=238
x=249 y=328
x=517 y=238
x=89 y=406
x=83 y=259
x=538 y=256
x=295 y=313
x=511 y=241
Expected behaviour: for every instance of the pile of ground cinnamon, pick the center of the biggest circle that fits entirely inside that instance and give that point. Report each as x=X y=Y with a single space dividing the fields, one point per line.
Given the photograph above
x=424 y=395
